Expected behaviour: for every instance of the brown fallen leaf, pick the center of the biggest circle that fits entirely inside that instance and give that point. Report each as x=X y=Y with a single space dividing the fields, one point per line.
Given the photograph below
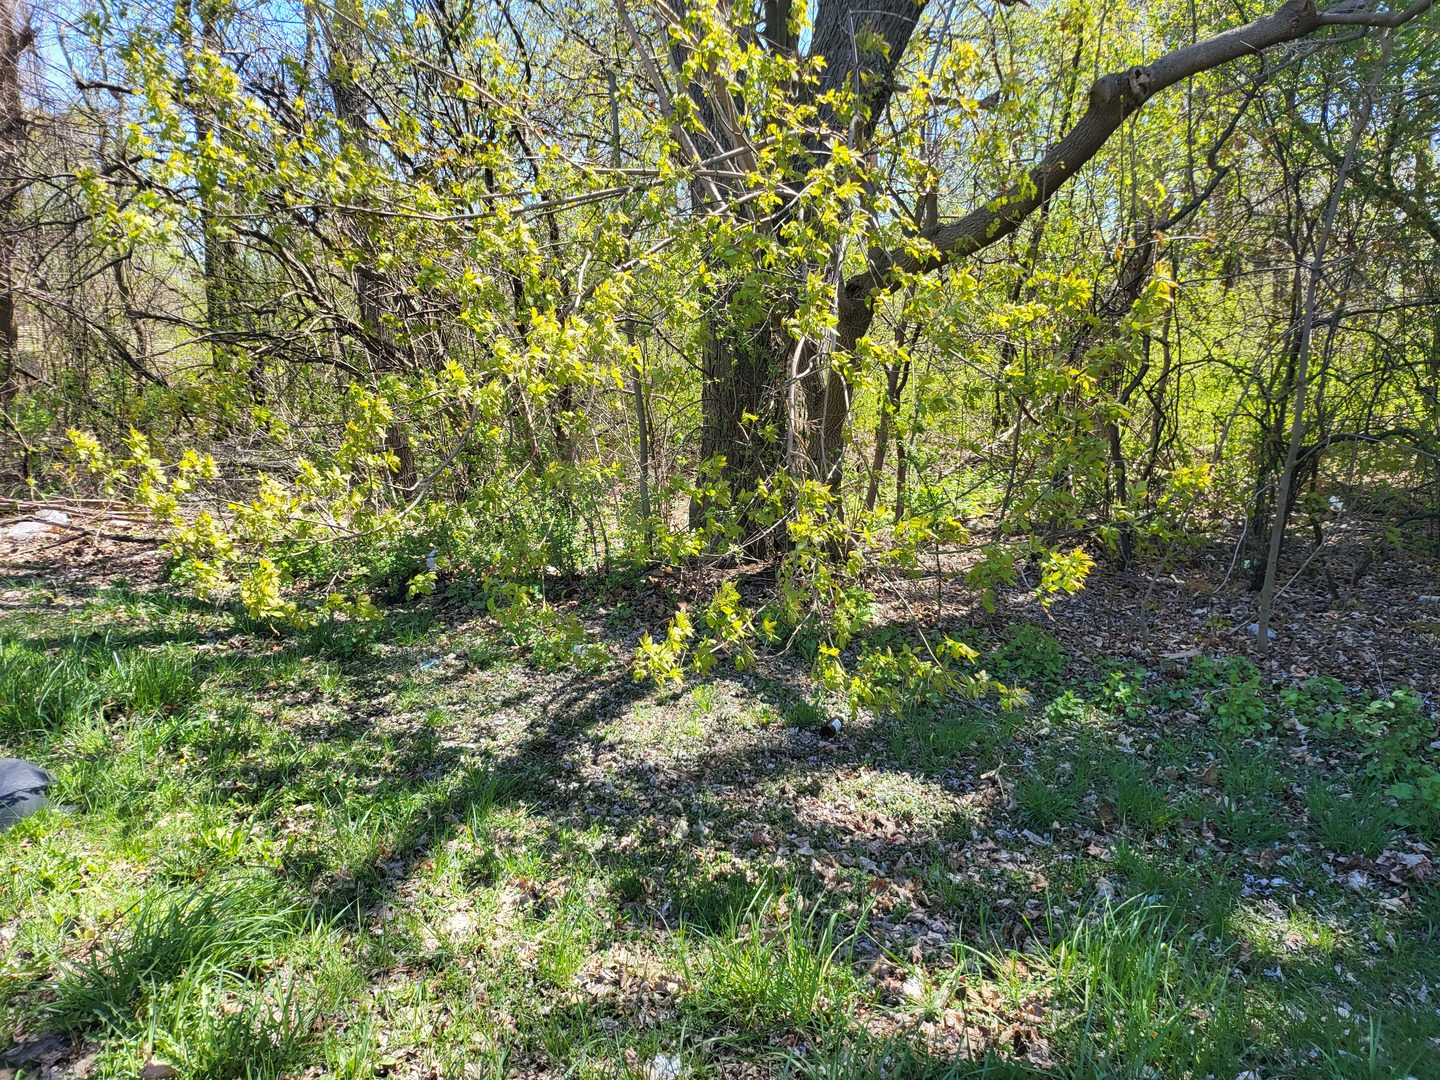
x=158 y=1070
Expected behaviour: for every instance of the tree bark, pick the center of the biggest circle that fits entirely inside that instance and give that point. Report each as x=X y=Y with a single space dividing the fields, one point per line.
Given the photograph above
x=343 y=35
x=221 y=294
x=747 y=356
x=16 y=37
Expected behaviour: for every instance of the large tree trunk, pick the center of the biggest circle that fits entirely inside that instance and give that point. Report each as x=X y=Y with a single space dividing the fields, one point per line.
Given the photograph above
x=15 y=37
x=753 y=415
x=372 y=290
x=743 y=373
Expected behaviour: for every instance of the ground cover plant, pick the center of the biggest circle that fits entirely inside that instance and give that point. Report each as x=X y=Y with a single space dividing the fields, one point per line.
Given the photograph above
x=451 y=855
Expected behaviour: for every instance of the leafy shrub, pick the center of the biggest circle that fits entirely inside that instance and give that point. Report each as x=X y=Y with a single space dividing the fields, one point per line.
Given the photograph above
x=552 y=639
x=1320 y=702
x=1029 y=655
x=1066 y=708
x=1233 y=695
x=905 y=681
x=562 y=641
x=1124 y=695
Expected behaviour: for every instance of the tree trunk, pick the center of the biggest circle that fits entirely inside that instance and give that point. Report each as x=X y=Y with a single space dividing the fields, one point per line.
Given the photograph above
x=1307 y=329
x=372 y=290
x=1270 y=453
x=222 y=292
x=743 y=372
x=15 y=37
x=747 y=390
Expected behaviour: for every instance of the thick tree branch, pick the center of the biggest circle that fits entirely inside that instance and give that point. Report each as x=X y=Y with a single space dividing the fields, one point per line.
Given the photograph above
x=1113 y=99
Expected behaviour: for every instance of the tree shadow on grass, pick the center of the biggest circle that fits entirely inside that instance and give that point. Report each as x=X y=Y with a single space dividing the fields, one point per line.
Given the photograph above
x=431 y=787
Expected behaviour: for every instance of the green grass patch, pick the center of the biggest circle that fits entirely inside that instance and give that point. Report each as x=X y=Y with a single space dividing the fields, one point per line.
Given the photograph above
x=288 y=856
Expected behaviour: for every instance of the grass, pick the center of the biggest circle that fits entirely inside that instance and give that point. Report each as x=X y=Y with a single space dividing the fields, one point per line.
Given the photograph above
x=1137 y=800
x=164 y=938
x=1358 y=821
x=772 y=965
x=435 y=850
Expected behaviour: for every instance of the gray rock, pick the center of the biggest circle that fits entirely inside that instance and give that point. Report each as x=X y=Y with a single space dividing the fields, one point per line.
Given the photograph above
x=23 y=788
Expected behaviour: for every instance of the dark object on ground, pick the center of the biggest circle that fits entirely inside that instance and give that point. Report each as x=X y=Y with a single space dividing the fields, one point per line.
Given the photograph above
x=23 y=787
x=43 y=1049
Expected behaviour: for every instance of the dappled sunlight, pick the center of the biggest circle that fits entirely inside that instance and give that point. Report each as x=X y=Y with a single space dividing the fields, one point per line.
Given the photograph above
x=506 y=863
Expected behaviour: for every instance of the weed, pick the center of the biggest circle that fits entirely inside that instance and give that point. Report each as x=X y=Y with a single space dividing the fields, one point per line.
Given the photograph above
x=334 y=637
x=934 y=742
x=1232 y=694
x=1124 y=695
x=41 y=693
x=1358 y=823
x=1239 y=710
x=151 y=682
x=1319 y=702
x=565 y=941
x=1066 y=709
x=1133 y=985
x=160 y=939
x=1136 y=797
x=503 y=873
x=773 y=964
x=805 y=715
x=217 y=1025
x=1048 y=801
x=1029 y=656
x=1248 y=822
x=412 y=627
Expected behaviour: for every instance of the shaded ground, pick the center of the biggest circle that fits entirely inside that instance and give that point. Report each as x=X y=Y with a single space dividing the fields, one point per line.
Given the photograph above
x=445 y=855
